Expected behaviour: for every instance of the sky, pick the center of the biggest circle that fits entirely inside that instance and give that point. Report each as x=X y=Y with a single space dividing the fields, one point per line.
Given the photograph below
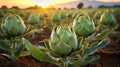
x=43 y=3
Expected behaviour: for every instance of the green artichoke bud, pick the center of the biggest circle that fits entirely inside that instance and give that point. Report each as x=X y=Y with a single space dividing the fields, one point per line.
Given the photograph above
x=13 y=25
x=33 y=19
x=75 y=14
x=55 y=17
x=63 y=15
x=1 y=14
x=63 y=40
x=97 y=15
x=108 y=18
x=69 y=14
x=83 y=25
x=41 y=17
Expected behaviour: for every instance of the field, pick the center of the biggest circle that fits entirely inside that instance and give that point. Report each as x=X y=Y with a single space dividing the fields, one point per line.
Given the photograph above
x=42 y=28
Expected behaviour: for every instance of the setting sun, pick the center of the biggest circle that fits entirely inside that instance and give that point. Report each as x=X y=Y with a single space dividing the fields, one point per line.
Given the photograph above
x=48 y=3
x=43 y=3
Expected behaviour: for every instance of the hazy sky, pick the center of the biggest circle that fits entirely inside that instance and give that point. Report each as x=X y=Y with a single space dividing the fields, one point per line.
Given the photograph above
x=43 y=3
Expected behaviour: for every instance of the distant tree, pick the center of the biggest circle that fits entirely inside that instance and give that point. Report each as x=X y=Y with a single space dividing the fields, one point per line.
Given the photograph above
x=104 y=6
x=59 y=8
x=80 y=5
x=90 y=7
x=15 y=7
x=116 y=5
x=4 y=7
x=35 y=7
x=65 y=8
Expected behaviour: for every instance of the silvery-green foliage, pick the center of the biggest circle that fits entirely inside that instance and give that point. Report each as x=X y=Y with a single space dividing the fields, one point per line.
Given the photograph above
x=13 y=25
x=83 y=25
x=33 y=18
x=108 y=18
x=55 y=17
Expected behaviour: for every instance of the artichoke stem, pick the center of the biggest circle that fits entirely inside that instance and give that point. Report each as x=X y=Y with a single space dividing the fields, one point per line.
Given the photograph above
x=64 y=61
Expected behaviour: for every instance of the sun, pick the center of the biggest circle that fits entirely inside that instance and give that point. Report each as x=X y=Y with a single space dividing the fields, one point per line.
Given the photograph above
x=44 y=3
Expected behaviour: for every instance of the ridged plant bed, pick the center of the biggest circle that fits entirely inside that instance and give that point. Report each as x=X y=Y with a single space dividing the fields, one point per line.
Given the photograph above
x=110 y=55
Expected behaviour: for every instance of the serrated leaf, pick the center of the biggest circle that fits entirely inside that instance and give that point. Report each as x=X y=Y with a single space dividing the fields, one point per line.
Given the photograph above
x=104 y=43
x=88 y=60
x=55 y=54
x=19 y=49
x=46 y=42
x=102 y=35
x=91 y=49
x=80 y=41
x=5 y=45
x=91 y=37
x=74 y=53
x=38 y=54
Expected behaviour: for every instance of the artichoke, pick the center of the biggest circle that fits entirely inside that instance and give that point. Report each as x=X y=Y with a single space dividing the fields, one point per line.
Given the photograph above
x=69 y=14
x=55 y=17
x=108 y=18
x=33 y=19
x=63 y=15
x=13 y=25
x=97 y=15
x=1 y=14
x=63 y=41
x=41 y=17
x=83 y=25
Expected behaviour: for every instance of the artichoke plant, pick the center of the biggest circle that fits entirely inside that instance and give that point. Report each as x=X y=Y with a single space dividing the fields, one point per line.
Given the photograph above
x=63 y=15
x=83 y=25
x=97 y=15
x=55 y=17
x=108 y=18
x=1 y=14
x=33 y=18
x=11 y=39
x=63 y=41
x=13 y=25
x=63 y=49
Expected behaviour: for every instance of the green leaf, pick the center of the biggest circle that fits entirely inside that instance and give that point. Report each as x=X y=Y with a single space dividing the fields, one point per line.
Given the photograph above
x=102 y=35
x=24 y=53
x=38 y=54
x=91 y=37
x=88 y=60
x=91 y=49
x=74 y=53
x=95 y=46
x=55 y=54
x=5 y=45
x=80 y=41
x=104 y=43
x=19 y=49
x=46 y=42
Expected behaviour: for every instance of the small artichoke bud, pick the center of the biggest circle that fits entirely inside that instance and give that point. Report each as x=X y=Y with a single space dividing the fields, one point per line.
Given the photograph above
x=41 y=17
x=83 y=25
x=1 y=14
x=13 y=25
x=33 y=19
x=63 y=40
x=108 y=18
x=55 y=17
x=97 y=15
x=63 y=15
x=69 y=14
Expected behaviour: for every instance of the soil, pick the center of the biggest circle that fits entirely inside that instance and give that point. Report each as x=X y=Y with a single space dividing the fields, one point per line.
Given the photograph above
x=110 y=55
